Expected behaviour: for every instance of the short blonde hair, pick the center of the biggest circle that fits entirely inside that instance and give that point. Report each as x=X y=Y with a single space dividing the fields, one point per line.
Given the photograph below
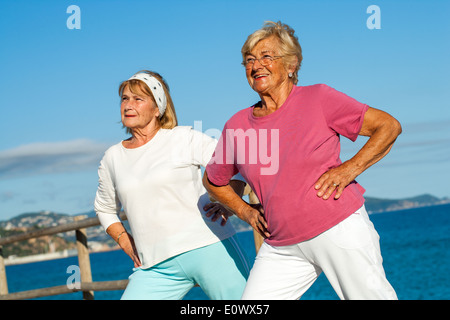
x=169 y=118
x=290 y=48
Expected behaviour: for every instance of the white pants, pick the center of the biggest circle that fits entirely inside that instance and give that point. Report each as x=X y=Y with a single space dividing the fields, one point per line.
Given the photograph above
x=349 y=255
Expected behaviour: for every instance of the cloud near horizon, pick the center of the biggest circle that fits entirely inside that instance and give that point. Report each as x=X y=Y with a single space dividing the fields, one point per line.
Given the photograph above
x=420 y=142
x=51 y=157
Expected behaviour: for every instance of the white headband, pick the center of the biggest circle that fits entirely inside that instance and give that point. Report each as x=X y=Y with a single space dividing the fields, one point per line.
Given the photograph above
x=156 y=88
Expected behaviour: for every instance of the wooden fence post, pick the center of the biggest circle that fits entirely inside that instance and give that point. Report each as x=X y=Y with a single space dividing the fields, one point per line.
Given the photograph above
x=83 y=259
x=253 y=199
x=3 y=281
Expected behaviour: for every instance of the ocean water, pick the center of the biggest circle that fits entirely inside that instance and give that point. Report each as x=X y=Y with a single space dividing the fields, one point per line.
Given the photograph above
x=415 y=245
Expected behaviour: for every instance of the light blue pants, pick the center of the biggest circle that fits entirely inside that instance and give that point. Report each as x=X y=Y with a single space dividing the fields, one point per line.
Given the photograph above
x=220 y=269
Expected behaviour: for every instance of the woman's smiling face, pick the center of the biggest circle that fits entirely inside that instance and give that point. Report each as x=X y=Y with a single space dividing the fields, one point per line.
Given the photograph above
x=261 y=78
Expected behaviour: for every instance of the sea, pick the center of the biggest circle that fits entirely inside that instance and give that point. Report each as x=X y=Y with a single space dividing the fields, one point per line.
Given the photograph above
x=415 y=245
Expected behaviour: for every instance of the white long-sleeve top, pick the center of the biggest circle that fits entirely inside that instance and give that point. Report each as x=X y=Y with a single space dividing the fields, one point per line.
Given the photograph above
x=159 y=185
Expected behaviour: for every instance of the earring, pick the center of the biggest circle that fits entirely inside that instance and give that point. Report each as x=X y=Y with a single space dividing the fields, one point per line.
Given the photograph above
x=290 y=75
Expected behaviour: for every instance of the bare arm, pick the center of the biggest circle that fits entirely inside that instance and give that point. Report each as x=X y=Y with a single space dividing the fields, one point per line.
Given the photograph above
x=230 y=199
x=383 y=130
x=124 y=240
x=215 y=210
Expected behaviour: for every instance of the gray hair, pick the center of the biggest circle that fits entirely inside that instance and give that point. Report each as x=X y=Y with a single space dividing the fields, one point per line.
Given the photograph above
x=289 y=46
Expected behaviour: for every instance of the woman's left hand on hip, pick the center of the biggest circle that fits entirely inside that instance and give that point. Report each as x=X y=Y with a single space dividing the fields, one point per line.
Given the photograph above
x=335 y=179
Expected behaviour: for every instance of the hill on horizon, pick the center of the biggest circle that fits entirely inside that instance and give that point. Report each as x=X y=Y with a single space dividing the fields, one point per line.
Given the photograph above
x=49 y=218
x=44 y=219
x=382 y=205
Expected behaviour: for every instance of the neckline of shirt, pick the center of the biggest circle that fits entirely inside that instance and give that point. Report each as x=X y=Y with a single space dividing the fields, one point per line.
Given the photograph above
x=146 y=145
x=277 y=112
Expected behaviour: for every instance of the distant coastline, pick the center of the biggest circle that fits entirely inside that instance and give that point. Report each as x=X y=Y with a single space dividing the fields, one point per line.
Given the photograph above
x=13 y=260
x=62 y=245
x=377 y=205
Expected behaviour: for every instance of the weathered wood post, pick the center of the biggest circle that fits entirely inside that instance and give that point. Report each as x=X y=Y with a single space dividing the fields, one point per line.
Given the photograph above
x=83 y=259
x=3 y=281
x=253 y=199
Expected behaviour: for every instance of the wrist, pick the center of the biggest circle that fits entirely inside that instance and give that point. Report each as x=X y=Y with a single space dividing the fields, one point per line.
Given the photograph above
x=120 y=235
x=241 y=213
x=354 y=167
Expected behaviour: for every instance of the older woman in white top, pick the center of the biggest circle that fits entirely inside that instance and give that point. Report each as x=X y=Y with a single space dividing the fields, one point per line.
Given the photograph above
x=155 y=177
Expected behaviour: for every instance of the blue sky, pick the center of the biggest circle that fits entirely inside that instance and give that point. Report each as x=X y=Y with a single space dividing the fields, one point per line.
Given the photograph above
x=60 y=108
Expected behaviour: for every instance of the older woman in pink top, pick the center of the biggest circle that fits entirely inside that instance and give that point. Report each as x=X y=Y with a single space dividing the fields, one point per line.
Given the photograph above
x=287 y=147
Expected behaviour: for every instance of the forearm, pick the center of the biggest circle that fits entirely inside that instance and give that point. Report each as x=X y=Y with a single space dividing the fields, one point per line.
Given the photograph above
x=125 y=241
x=382 y=138
x=229 y=195
x=383 y=130
x=116 y=231
x=231 y=200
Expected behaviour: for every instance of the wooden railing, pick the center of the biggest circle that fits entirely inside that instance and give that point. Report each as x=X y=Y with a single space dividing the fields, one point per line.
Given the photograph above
x=87 y=286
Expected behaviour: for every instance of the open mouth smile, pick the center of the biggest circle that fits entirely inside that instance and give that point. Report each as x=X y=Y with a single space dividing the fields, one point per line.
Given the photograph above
x=259 y=76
